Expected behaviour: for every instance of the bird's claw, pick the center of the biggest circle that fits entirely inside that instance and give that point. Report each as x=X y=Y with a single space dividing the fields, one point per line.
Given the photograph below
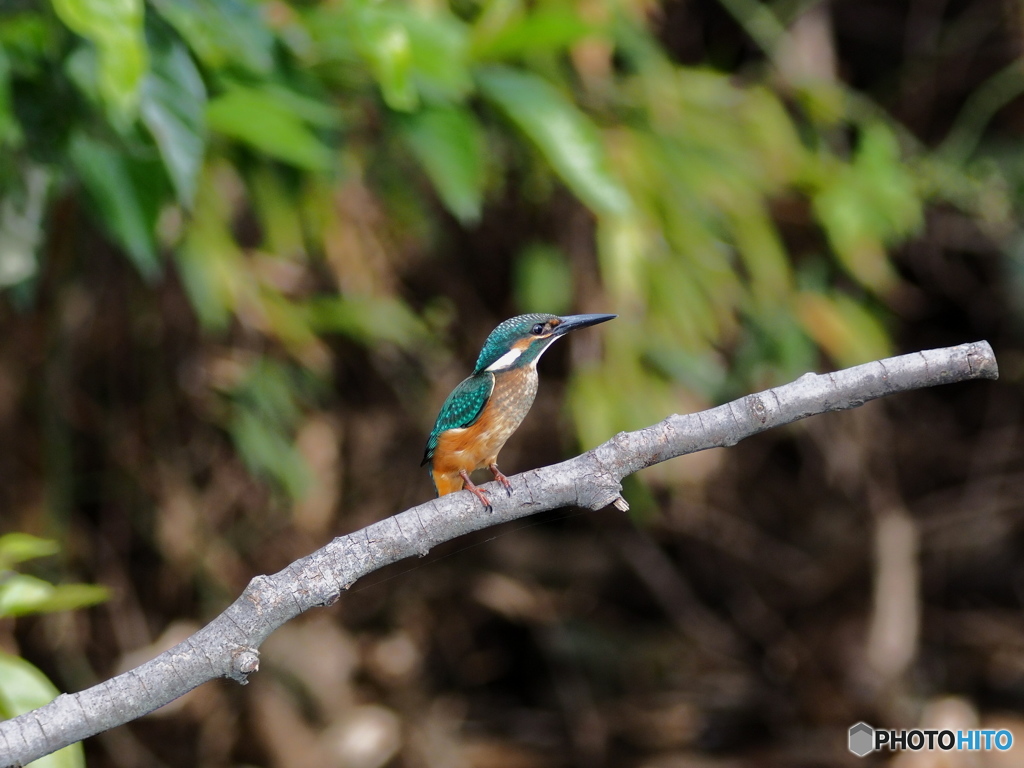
x=481 y=494
x=477 y=491
x=501 y=479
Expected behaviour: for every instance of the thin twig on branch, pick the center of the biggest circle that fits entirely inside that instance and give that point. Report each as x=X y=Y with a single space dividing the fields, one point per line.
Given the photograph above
x=228 y=645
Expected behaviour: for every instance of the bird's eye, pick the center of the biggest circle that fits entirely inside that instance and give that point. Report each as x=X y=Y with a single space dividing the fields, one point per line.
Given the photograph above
x=538 y=329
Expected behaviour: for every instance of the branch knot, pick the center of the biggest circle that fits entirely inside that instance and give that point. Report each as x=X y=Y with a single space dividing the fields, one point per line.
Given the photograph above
x=244 y=661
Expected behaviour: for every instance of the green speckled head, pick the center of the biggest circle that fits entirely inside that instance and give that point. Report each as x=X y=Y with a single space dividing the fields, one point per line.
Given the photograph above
x=521 y=340
x=501 y=339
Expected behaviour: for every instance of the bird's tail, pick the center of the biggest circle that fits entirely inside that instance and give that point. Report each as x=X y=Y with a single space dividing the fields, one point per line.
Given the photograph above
x=446 y=482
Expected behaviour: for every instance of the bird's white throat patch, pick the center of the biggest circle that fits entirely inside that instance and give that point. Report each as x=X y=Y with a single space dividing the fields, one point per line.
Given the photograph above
x=505 y=361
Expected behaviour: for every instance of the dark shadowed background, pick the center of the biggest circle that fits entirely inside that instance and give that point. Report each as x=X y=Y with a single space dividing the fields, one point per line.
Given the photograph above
x=247 y=248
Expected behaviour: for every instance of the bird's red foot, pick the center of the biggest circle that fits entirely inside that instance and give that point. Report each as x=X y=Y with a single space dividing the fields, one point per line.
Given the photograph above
x=501 y=478
x=480 y=493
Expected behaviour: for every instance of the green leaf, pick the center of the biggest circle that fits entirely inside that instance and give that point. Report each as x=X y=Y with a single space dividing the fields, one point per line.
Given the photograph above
x=844 y=328
x=204 y=275
x=21 y=594
x=867 y=204
x=18 y=547
x=120 y=201
x=264 y=120
x=21 y=227
x=279 y=217
x=762 y=251
x=543 y=280
x=24 y=688
x=385 y=42
x=173 y=109
x=313 y=111
x=266 y=408
x=115 y=27
x=414 y=54
x=440 y=54
x=268 y=391
x=897 y=201
x=449 y=144
x=71 y=597
x=10 y=132
x=367 y=320
x=565 y=136
x=222 y=33
x=209 y=261
x=546 y=29
x=268 y=451
x=29 y=39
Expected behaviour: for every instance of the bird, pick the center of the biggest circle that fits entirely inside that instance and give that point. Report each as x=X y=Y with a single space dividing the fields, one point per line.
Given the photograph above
x=484 y=410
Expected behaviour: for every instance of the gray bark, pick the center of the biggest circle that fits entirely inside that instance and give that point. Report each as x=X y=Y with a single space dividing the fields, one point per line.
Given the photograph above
x=228 y=645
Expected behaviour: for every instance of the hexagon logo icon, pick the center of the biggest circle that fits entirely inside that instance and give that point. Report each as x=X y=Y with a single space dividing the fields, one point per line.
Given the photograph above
x=862 y=739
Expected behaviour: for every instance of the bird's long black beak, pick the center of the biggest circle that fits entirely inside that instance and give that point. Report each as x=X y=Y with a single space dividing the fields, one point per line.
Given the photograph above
x=572 y=322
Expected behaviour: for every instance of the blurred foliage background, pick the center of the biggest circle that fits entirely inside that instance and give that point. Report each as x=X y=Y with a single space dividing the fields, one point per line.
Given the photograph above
x=246 y=249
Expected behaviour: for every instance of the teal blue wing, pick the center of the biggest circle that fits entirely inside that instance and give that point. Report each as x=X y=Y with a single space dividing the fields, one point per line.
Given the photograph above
x=463 y=407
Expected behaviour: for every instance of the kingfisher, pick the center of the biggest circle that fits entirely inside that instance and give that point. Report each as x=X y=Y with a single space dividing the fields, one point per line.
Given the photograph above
x=485 y=409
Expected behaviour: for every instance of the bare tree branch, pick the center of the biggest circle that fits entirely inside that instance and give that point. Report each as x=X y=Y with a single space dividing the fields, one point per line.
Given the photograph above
x=228 y=645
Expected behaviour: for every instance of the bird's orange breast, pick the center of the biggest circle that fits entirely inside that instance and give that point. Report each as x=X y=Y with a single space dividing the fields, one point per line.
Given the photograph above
x=477 y=446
